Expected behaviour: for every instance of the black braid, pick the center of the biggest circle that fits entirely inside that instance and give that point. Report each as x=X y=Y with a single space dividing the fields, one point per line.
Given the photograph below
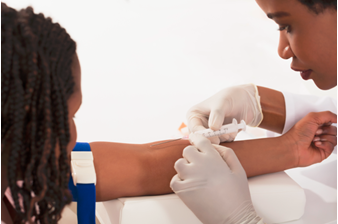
x=318 y=6
x=36 y=82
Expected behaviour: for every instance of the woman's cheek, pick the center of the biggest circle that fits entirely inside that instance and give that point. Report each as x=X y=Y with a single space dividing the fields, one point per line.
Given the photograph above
x=73 y=135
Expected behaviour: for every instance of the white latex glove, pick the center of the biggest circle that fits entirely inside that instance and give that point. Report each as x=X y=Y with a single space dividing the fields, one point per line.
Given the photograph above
x=241 y=102
x=216 y=191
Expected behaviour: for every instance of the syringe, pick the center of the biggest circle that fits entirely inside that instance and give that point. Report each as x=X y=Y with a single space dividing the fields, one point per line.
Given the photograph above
x=225 y=129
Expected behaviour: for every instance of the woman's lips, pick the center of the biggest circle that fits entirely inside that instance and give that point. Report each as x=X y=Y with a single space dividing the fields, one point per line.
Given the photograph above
x=306 y=74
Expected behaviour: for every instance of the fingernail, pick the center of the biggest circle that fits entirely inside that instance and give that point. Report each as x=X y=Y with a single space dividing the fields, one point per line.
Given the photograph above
x=315 y=139
x=319 y=131
x=318 y=143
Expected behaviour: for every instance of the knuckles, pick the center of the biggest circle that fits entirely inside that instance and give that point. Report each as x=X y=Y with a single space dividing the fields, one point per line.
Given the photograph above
x=189 y=150
x=175 y=183
x=179 y=164
x=324 y=117
x=201 y=142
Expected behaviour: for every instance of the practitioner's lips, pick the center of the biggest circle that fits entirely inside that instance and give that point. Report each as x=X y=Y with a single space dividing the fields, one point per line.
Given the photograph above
x=304 y=73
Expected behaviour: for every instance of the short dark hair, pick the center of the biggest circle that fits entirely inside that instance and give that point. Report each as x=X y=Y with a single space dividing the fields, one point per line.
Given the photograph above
x=36 y=82
x=318 y=6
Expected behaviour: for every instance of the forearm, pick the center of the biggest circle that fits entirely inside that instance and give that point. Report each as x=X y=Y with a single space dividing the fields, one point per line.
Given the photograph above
x=141 y=169
x=134 y=169
x=261 y=156
x=273 y=107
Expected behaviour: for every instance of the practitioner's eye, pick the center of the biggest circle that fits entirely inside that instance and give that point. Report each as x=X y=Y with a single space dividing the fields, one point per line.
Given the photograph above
x=287 y=28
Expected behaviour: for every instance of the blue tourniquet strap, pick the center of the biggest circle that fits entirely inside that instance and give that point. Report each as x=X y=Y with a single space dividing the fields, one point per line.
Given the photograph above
x=72 y=188
x=86 y=203
x=82 y=146
x=84 y=194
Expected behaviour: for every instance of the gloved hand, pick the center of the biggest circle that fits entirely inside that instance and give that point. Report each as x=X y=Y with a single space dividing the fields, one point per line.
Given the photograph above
x=241 y=102
x=215 y=190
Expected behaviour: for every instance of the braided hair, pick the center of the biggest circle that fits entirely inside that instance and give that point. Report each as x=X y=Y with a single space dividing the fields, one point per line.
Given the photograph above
x=318 y=6
x=36 y=82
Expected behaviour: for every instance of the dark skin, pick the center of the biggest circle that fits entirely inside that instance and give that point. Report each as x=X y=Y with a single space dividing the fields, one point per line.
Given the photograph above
x=273 y=107
x=134 y=170
x=146 y=170
x=74 y=103
x=308 y=39
x=142 y=169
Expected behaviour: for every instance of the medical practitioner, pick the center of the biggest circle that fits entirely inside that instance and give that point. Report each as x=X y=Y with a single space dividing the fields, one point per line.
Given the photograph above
x=217 y=192
x=41 y=93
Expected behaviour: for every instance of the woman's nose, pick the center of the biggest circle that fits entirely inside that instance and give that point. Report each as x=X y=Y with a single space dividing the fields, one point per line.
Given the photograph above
x=284 y=49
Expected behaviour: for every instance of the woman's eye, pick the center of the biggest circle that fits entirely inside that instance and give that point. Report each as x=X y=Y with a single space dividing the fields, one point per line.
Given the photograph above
x=287 y=28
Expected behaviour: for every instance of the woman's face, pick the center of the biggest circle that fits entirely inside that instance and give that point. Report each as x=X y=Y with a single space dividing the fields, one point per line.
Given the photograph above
x=308 y=38
x=74 y=102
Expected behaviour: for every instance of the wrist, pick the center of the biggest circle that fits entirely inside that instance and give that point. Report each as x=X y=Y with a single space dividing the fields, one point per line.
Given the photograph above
x=246 y=214
x=290 y=149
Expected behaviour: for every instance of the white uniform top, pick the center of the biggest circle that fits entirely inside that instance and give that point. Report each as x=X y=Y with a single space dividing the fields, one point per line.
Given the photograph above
x=297 y=106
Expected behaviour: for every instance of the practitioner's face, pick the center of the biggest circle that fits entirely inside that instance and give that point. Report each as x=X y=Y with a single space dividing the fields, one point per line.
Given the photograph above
x=308 y=38
x=74 y=102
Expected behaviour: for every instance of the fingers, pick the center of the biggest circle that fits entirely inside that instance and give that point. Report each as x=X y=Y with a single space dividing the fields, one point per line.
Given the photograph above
x=199 y=123
x=227 y=137
x=233 y=135
x=325 y=148
x=230 y=158
x=201 y=143
x=215 y=140
x=216 y=118
x=326 y=139
x=191 y=154
x=181 y=168
x=176 y=184
x=318 y=140
x=325 y=117
x=327 y=129
x=326 y=133
x=196 y=121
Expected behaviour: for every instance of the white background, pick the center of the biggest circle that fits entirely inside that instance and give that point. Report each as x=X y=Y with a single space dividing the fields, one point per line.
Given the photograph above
x=146 y=62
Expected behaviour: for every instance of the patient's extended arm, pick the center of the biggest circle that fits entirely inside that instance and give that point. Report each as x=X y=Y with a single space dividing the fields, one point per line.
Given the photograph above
x=139 y=169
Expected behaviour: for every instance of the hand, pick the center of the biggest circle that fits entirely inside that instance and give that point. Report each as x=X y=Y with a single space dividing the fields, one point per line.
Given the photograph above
x=314 y=137
x=216 y=191
x=240 y=102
